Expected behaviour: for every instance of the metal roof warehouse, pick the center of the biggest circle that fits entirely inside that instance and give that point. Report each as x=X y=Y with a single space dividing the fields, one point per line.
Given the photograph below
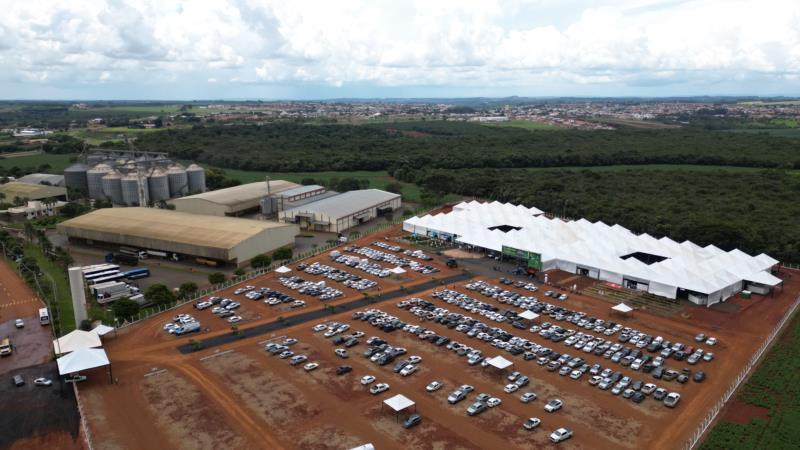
x=225 y=239
x=343 y=211
x=231 y=201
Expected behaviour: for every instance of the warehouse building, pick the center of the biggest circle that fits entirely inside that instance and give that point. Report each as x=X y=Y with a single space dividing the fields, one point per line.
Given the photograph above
x=232 y=201
x=43 y=178
x=16 y=189
x=223 y=239
x=612 y=253
x=292 y=198
x=340 y=212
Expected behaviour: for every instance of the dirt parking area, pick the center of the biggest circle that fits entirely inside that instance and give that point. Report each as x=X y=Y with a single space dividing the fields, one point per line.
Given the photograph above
x=238 y=395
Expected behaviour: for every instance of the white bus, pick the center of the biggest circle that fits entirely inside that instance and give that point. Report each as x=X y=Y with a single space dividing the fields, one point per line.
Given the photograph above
x=44 y=316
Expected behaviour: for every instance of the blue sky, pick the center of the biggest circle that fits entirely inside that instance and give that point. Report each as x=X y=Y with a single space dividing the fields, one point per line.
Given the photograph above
x=233 y=49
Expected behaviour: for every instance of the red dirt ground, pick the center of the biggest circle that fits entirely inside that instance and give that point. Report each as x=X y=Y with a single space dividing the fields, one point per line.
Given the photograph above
x=742 y=413
x=248 y=399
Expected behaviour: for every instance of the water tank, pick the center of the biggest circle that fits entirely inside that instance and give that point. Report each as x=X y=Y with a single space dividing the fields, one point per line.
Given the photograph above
x=178 y=181
x=112 y=187
x=159 y=186
x=130 y=190
x=94 y=181
x=75 y=177
x=197 y=179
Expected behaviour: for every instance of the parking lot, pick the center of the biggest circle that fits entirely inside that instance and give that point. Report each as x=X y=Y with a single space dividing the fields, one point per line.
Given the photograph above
x=256 y=391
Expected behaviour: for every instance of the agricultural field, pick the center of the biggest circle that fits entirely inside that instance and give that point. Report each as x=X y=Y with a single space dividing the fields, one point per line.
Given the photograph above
x=57 y=163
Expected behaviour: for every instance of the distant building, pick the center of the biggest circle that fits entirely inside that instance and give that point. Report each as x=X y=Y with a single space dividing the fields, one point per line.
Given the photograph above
x=340 y=212
x=43 y=178
x=232 y=201
x=17 y=189
x=34 y=210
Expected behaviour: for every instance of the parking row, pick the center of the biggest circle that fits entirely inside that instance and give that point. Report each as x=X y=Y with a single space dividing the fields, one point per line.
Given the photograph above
x=342 y=276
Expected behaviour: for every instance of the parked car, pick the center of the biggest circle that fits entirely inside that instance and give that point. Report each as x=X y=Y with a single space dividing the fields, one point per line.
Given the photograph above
x=699 y=376
x=531 y=423
x=18 y=380
x=560 y=434
x=412 y=420
x=41 y=381
x=434 y=386
x=311 y=366
x=367 y=379
x=456 y=397
x=672 y=399
x=553 y=405
x=378 y=388
x=510 y=388
x=494 y=401
x=341 y=370
x=476 y=408
x=19 y=323
x=527 y=397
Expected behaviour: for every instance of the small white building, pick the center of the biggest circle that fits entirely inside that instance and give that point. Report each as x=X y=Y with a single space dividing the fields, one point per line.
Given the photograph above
x=340 y=212
x=34 y=210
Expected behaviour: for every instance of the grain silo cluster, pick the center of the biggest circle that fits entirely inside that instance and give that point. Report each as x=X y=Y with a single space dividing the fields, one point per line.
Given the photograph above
x=133 y=178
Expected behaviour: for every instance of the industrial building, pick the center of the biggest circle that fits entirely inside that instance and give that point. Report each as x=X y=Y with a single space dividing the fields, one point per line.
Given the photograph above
x=339 y=212
x=33 y=210
x=129 y=178
x=223 y=239
x=292 y=198
x=232 y=201
x=29 y=191
x=703 y=275
x=43 y=178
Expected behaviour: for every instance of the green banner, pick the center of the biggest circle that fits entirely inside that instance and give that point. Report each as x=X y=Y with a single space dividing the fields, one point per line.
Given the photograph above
x=533 y=260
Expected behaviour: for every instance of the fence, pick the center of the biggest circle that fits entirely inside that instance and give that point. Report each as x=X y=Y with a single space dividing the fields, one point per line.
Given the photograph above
x=712 y=415
x=149 y=312
x=87 y=436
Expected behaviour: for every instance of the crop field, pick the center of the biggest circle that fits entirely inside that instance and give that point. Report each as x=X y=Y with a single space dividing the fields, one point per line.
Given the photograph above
x=57 y=162
x=227 y=390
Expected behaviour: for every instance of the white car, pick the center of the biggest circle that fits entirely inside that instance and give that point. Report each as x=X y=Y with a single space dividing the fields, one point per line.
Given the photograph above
x=41 y=381
x=510 y=388
x=712 y=341
x=341 y=353
x=378 y=388
x=169 y=326
x=561 y=434
x=367 y=379
x=494 y=401
x=298 y=359
x=319 y=327
x=234 y=319
x=531 y=423
x=310 y=366
x=19 y=323
x=434 y=386
x=527 y=397
x=553 y=405
x=414 y=359
x=408 y=370
x=575 y=374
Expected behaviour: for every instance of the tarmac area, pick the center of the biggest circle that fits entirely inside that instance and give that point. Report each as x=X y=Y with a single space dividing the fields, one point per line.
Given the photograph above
x=237 y=395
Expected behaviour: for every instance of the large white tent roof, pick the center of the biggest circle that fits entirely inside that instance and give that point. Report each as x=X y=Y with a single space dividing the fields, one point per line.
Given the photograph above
x=528 y=315
x=500 y=362
x=76 y=340
x=399 y=402
x=598 y=246
x=83 y=359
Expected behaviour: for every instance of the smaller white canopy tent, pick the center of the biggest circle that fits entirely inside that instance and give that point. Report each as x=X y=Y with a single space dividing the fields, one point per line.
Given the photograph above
x=622 y=308
x=500 y=363
x=398 y=270
x=76 y=340
x=364 y=447
x=83 y=359
x=528 y=315
x=398 y=403
x=102 y=330
x=283 y=269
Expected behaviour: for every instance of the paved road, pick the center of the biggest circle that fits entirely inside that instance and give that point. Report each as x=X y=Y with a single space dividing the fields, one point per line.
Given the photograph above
x=320 y=313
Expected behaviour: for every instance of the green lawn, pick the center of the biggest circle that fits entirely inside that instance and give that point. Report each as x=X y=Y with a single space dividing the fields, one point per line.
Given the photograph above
x=64 y=297
x=57 y=162
x=527 y=124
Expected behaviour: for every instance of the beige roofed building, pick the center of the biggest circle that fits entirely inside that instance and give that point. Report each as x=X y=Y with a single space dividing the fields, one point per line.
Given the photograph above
x=231 y=201
x=31 y=191
x=224 y=239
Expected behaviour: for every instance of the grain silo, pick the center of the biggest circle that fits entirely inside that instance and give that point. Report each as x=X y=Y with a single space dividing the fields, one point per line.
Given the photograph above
x=94 y=180
x=130 y=190
x=112 y=187
x=75 y=177
x=159 y=186
x=197 y=179
x=178 y=181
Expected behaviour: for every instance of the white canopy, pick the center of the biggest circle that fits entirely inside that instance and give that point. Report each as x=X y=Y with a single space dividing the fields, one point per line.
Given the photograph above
x=528 y=315
x=623 y=308
x=83 y=359
x=102 y=330
x=76 y=340
x=500 y=362
x=398 y=403
x=398 y=270
x=283 y=269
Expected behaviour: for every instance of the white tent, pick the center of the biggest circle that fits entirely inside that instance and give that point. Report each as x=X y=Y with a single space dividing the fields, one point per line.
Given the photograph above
x=623 y=308
x=398 y=403
x=500 y=362
x=83 y=359
x=283 y=269
x=102 y=330
x=76 y=340
x=528 y=315
x=398 y=270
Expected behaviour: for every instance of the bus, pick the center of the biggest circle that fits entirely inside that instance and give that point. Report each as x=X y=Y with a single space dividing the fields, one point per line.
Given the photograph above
x=44 y=316
x=135 y=274
x=89 y=271
x=97 y=275
x=114 y=277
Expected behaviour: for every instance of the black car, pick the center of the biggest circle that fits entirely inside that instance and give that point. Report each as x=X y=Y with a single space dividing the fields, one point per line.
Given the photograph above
x=658 y=372
x=699 y=376
x=637 y=397
x=341 y=370
x=412 y=420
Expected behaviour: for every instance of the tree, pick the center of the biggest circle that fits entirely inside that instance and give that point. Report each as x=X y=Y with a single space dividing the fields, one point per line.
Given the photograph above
x=260 y=261
x=282 y=253
x=125 y=309
x=187 y=289
x=308 y=181
x=235 y=329
x=348 y=184
x=238 y=272
x=159 y=294
x=216 y=278
x=394 y=187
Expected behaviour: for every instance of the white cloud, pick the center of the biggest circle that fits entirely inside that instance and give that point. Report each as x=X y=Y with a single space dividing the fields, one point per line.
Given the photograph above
x=469 y=44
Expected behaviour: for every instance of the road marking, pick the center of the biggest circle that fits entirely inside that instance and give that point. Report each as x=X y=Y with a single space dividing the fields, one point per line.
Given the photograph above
x=157 y=372
x=271 y=339
x=216 y=354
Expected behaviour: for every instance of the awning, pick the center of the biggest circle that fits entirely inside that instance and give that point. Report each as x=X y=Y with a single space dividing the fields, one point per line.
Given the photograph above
x=283 y=269
x=83 y=359
x=623 y=308
x=102 y=330
x=764 y=278
x=399 y=402
x=500 y=362
x=76 y=340
x=527 y=315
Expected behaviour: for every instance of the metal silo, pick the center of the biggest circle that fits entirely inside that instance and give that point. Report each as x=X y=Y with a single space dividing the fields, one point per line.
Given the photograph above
x=130 y=189
x=159 y=186
x=112 y=187
x=197 y=179
x=75 y=177
x=178 y=181
x=94 y=180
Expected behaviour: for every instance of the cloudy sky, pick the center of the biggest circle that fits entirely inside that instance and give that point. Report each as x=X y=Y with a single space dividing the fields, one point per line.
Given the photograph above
x=212 y=49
